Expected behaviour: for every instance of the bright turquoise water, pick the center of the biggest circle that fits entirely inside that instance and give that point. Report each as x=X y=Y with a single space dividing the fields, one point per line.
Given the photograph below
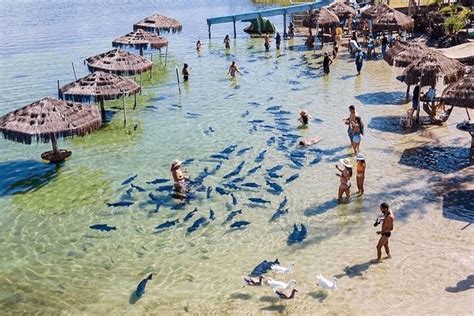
x=52 y=262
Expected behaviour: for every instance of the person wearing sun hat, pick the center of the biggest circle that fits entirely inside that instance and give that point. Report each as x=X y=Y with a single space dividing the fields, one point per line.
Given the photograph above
x=178 y=176
x=360 y=177
x=345 y=178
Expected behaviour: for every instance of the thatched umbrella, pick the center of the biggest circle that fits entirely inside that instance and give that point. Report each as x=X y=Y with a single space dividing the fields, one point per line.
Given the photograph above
x=375 y=11
x=392 y=20
x=433 y=65
x=403 y=54
x=157 y=23
x=119 y=62
x=47 y=120
x=141 y=39
x=342 y=10
x=321 y=18
x=101 y=86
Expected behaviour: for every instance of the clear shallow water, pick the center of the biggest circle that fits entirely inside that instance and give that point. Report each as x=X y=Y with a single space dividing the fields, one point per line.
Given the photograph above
x=53 y=262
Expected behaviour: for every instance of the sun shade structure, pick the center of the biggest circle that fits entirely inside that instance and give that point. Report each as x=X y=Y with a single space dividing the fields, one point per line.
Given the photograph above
x=119 y=62
x=375 y=11
x=47 y=120
x=433 y=65
x=158 y=23
x=460 y=93
x=321 y=18
x=100 y=86
x=392 y=20
x=342 y=10
x=141 y=39
x=403 y=54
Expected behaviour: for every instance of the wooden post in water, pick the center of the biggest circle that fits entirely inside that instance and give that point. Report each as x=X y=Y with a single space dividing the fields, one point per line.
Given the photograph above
x=135 y=101
x=209 y=30
x=235 y=32
x=177 y=78
x=124 y=112
x=284 y=25
x=74 y=70
x=102 y=109
x=59 y=92
x=166 y=56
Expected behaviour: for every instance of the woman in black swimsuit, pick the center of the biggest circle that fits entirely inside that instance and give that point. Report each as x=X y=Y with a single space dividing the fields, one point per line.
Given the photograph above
x=185 y=72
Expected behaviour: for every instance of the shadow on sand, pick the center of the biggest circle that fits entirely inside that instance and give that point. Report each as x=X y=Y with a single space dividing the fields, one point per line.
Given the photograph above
x=459 y=205
x=463 y=285
x=382 y=98
x=273 y=307
x=391 y=124
x=355 y=270
x=319 y=295
x=439 y=159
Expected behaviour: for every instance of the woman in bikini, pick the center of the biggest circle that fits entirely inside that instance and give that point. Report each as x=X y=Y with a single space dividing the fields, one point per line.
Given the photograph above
x=345 y=178
x=360 y=173
x=227 y=42
x=356 y=127
x=185 y=72
x=233 y=70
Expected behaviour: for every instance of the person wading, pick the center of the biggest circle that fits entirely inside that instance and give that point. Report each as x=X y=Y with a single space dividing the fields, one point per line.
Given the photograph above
x=385 y=232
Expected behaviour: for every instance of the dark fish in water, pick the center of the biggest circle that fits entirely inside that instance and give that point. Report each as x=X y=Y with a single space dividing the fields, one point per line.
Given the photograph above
x=230 y=185
x=103 y=227
x=151 y=107
x=291 y=136
x=292 y=178
x=263 y=267
x=128 y=180
x=220 y=156
x=297 y=235
x=282 y=147
x=274 y=169
x=193 y=114
x=239 y=224
x=253 y=170
x=245 y=114
x=268 y=127
x=275 y=186
x=261 y=156
x=121 y=203
x=228 y=96
x=270 y=141
x=237 y=180
x=142 y=285
x=283 y=203
x=167 y=224
x=201 y=188
x=187 y=162
x=297 y=154
x=234 y=199
x=274 y=108
x=254 y=127
x=189 y=215
x=274 y=175
x=158 y=181
x=136 y=187
x=315 y=160
x=296 y=162
x=253 y=103
x=208 y=193
x=198 y=223
x=270 y=98
x=258 y=201
x=212 y=215
x=252 y=185
x=228 y=149
x=236 y=171
x=222 y=191
x=256 y=121
x=243 y=151
x=163 y=188
x=279 y=213
x=232 y=215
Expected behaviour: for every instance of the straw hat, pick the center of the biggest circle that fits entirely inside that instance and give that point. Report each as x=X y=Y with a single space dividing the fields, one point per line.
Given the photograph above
x=346 y=162
x=176 y=163
x=360 y=157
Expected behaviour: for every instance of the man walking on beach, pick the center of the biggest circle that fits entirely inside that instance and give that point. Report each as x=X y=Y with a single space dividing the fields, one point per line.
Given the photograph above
x=386 y=232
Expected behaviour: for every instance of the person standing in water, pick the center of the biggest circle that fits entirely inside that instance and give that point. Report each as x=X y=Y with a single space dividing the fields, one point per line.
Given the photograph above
x=359 y=60
x=291 y=30
x=326 y=62
x=277 y=41
x=233 y=70
x=335 y=49
x=360 y=173
x=227 y=42
x=178 y=176
x=198 y=45
x=267 y=41
x=185 y=72
x=349 y=121
x=357 y=132
x=345 y=180
x=304 y=118
x=385 y=232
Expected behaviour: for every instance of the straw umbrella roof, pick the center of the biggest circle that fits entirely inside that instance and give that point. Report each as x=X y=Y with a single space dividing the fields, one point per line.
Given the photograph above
x=403 y=54
x=141 y=39
x=321 y=18
x=426 y=70
x=101 y=85
x=375 y=11
x=119 y=62
x=158 y=23
x=460 y=93
x=392 y=20
x=47 y=118
x=342 y=10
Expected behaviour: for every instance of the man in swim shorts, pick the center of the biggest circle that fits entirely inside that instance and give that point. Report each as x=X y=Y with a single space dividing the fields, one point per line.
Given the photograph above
x=386 y=232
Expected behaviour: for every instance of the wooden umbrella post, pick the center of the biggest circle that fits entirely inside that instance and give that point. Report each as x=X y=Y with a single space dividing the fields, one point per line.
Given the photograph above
x=177 y=78
x=124 y=112
x=102 y=109
x=54 y=142
x=135 y=101
x=166 y=56
x=141 y=50
x=74 y=70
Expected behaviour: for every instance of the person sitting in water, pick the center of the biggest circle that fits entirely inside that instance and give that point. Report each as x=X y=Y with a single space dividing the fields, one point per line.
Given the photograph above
x=178 y=176
x=309 y=141
x=345 y=179
x=198 y=45
x=304 y=118
x=227 y=42
x=185 y=72
x=233 y=70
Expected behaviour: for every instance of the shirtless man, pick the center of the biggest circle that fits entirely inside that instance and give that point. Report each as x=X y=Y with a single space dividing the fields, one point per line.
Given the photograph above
x=233 y=69
x=387 y=227
x=350 y=120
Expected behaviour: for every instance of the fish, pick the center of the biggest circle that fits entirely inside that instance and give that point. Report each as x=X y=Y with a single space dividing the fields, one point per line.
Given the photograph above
x=282 y=147
x=261 y=156
x=253 y=103
x=103 y=227
x=243 y=151
x=201 y=188
x=296 y=162
x=246 y=113
x=267 y=127
x=296 y=235
x=275 y=186
x=229 y=96
x=142 y=285
x=283 y=203
x=233 y=214
x=212 y=215
x=237 y=180
x=187 y=162
x=259 y=201
x=263 y=267
x=234 y=199
x=252 y=185
x=167 y=224
x=291 y=136
x=230 y=185
x=228 y=149
x=253 y=170
x=220 y=156
x=128 y=180
x=275 y=168
x=279 y=213
x=270 y=141
x=298 y=154
x=167 y=188
x=236 y=171
x=222 y=191
x=189 y=215
x=239 y=224
x=256 y=121
x=292 y=178
x=208 y=193
x=192 y=114
x=274 y=175
x=274 y=108
x=158 y=181
x=198 y=223
x=136 y=187
x=121 y=203
x=315 y=160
